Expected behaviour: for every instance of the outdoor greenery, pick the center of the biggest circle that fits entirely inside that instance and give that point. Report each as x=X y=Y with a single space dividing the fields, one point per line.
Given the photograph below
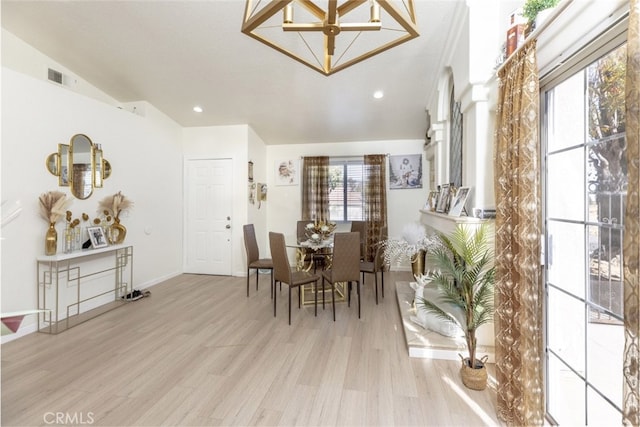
x=464 y=275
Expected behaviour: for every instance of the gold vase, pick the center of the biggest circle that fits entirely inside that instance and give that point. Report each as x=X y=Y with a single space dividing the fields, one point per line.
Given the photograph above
x=417 y=262
x=51 y=240
x=117 y=233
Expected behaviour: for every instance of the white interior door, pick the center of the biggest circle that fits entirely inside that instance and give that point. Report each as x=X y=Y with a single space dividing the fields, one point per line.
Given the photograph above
x=208 y=216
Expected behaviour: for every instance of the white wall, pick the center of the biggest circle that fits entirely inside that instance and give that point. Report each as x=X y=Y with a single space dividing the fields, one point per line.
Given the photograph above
x=145 y=155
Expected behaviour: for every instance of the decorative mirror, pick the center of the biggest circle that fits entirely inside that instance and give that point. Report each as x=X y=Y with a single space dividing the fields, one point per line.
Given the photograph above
x=79 y=165
x=97 y=163
x=63 y=162
x=81 y=162
x=53 y=163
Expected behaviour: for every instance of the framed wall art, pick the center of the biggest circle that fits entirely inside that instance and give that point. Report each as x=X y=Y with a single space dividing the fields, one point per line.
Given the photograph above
x=287 y=172
x=405 y=171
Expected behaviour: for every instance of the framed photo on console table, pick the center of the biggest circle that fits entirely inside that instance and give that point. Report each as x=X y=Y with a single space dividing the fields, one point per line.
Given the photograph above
x=457 y=205
x=97 y=237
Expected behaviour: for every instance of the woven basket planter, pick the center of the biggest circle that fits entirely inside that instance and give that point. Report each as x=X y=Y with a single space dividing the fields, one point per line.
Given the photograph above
x=475 y=379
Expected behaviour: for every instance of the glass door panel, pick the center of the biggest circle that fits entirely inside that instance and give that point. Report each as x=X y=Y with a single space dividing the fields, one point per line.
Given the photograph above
x=566 y=395
x=566 y=259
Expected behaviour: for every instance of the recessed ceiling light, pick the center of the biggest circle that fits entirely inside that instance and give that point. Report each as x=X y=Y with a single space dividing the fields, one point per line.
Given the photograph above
x=197 y=109
x=378 y=94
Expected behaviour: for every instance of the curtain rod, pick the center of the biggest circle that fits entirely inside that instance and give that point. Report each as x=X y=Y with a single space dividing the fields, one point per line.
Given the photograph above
x=343 y=157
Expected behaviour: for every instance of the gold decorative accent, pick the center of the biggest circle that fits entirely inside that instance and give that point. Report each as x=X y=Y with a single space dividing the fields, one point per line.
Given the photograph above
x=117 y=232
x=315 y=42
x=51 y=240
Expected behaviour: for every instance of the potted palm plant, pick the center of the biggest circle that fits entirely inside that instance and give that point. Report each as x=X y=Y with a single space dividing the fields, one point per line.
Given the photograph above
x=464 y=276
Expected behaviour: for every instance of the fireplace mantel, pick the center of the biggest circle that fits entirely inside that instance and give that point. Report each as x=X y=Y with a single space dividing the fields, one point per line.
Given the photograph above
x=444 y=223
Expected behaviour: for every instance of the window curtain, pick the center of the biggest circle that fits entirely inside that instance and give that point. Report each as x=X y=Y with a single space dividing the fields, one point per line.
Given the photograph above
x=315 y=188
x=375 y=199
x=631 y=383
x=518 y=290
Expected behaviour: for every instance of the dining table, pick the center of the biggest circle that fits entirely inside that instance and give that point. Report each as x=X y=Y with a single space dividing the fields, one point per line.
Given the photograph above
x=308 y=254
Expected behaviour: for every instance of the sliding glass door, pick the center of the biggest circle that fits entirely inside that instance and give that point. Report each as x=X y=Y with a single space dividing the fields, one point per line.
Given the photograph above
x=585 y=190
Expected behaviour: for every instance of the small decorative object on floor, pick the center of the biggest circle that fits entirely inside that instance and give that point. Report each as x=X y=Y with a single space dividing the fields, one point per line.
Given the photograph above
x=136 y=295
x=113 y=206
x=53 y=205
x=464 y=277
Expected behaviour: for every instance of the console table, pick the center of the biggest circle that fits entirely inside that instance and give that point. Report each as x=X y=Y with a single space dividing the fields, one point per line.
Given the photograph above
x=65 y=295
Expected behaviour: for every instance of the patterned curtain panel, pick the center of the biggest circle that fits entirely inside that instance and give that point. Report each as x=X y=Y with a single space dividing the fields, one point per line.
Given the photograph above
x=518 y=315
x=315 y=188
x=631 y=372
x=375 y=199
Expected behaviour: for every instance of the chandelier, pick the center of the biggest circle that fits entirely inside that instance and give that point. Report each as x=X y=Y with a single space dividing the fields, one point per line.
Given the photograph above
x=332 y=38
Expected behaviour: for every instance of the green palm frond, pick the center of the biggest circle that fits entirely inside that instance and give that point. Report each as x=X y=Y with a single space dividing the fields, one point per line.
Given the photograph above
x=464 y=276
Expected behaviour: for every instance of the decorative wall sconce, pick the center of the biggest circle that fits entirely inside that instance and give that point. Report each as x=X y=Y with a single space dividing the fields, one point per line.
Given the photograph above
x=79 y=165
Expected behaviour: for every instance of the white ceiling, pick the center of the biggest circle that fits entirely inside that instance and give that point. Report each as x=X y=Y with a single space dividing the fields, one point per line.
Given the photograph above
x=176 y=54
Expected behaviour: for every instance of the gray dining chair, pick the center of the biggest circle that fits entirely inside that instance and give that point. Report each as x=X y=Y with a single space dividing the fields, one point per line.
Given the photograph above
x=377 y=265
x=253 y=256
x=361 y=227
x=283 y=273
x=345 y=266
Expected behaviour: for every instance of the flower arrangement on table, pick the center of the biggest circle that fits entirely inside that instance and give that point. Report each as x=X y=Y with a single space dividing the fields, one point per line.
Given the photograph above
x=318 y=231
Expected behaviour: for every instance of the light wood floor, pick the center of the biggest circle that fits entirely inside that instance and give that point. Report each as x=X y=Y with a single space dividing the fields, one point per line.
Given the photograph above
x=199 y=352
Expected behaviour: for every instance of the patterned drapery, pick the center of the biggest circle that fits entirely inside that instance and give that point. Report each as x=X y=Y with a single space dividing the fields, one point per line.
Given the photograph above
x=375 y=199
x=631 y=371
x=518 y=314
x=315 y=188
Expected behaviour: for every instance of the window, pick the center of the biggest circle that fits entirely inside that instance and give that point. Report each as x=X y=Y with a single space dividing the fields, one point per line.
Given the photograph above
x=585 y=197
x=346 y=201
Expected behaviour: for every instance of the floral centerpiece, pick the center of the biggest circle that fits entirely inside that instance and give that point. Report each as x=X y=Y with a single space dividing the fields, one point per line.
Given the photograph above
x=319 y=230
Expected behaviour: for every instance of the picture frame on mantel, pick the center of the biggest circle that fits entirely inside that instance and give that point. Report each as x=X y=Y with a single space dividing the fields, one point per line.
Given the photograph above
x=443 y=198
x=459 y=201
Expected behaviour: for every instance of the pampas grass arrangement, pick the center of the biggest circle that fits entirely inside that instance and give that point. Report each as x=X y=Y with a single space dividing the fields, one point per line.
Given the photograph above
x=53 y=205
x=115 y=205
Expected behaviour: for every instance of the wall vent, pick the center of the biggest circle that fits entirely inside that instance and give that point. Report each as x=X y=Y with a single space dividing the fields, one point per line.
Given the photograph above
x=54 y=76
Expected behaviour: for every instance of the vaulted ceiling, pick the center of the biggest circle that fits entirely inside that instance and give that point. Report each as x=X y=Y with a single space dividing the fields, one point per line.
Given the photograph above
x=177 y=54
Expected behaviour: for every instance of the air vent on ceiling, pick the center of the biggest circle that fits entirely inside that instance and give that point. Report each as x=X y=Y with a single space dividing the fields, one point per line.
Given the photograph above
x=54 y=76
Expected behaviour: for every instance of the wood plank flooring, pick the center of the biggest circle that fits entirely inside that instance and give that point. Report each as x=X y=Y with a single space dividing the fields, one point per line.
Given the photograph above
x=198 y=352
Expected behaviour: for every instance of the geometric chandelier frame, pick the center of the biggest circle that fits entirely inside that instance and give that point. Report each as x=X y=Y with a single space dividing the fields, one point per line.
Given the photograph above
x=330 y=35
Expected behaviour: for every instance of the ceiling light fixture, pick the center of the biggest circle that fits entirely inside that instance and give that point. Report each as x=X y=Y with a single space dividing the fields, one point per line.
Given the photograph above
x=309 y=34
x=197 y=109
x=378 y=94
